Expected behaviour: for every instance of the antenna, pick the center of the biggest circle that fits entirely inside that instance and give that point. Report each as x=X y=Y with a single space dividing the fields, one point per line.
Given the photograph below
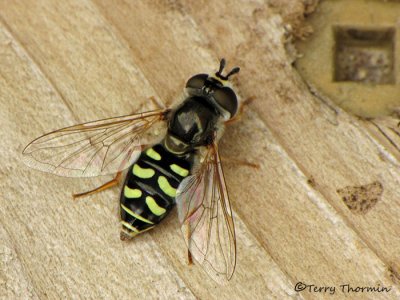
x=221 y=68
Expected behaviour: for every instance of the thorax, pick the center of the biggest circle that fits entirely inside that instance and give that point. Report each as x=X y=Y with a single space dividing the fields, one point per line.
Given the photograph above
x=192 y=124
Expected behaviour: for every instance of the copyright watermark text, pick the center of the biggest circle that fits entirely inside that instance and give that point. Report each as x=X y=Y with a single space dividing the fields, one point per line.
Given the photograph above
x=343 y=288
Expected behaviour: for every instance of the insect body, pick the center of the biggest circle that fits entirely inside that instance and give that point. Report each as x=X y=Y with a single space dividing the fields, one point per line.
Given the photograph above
x=183 y=168
x=150 y=188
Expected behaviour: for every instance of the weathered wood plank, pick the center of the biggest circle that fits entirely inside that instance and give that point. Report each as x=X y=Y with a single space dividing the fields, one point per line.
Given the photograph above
x=75 y=49
x=14 y=281
x=89 y=60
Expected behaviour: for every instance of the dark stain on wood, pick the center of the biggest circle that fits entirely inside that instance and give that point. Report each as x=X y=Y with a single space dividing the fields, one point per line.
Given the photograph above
x=361 y=199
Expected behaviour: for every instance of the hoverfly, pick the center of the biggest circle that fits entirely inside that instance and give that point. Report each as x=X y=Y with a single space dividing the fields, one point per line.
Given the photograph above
x=183 y=167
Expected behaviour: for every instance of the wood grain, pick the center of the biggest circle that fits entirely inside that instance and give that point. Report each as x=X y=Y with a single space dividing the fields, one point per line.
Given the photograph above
x=74 y=61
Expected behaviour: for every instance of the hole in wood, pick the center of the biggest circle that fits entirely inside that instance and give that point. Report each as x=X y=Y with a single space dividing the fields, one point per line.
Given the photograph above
x=364 y=55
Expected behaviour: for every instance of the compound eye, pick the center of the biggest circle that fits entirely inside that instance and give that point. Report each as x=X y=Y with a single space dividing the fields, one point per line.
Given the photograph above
x=197 y=81
x=227 y=99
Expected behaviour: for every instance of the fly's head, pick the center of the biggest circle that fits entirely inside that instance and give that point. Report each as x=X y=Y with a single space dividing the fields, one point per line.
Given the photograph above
x=216 y=89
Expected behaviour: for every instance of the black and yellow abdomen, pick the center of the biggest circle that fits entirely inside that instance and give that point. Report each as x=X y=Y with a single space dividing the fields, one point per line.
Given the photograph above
x=150 y=187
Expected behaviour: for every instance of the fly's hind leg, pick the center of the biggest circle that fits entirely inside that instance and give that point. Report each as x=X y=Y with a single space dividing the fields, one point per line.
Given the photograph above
x=189 y=255
x=190 y=258
x=115 y=181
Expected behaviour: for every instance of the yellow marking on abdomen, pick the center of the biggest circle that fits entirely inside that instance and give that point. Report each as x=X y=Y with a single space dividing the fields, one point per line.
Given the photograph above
x=166 y=187
x=146 y=229
x=129 y=226
x=179 y=170
x=132 y=193
x=153 y=154
x=154 y=207
x=143 y=173
x=134 y=233
x=135 y=215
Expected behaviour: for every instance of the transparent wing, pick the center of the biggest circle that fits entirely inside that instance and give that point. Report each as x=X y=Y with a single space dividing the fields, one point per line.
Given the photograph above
x=206 y=218
x=91 y=149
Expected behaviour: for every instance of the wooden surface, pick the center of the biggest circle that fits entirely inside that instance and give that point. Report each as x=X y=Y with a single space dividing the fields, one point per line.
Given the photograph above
x=64 y=62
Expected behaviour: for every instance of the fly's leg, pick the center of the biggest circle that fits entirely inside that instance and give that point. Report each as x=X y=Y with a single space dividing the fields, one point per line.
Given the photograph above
x=115 y=181
x=156 y=105
x=240 y=112
x=165 y=106
x=190 y=259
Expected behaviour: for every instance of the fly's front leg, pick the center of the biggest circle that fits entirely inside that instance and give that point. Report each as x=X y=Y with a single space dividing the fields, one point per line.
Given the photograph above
x=239 y=114
x=115 y=181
